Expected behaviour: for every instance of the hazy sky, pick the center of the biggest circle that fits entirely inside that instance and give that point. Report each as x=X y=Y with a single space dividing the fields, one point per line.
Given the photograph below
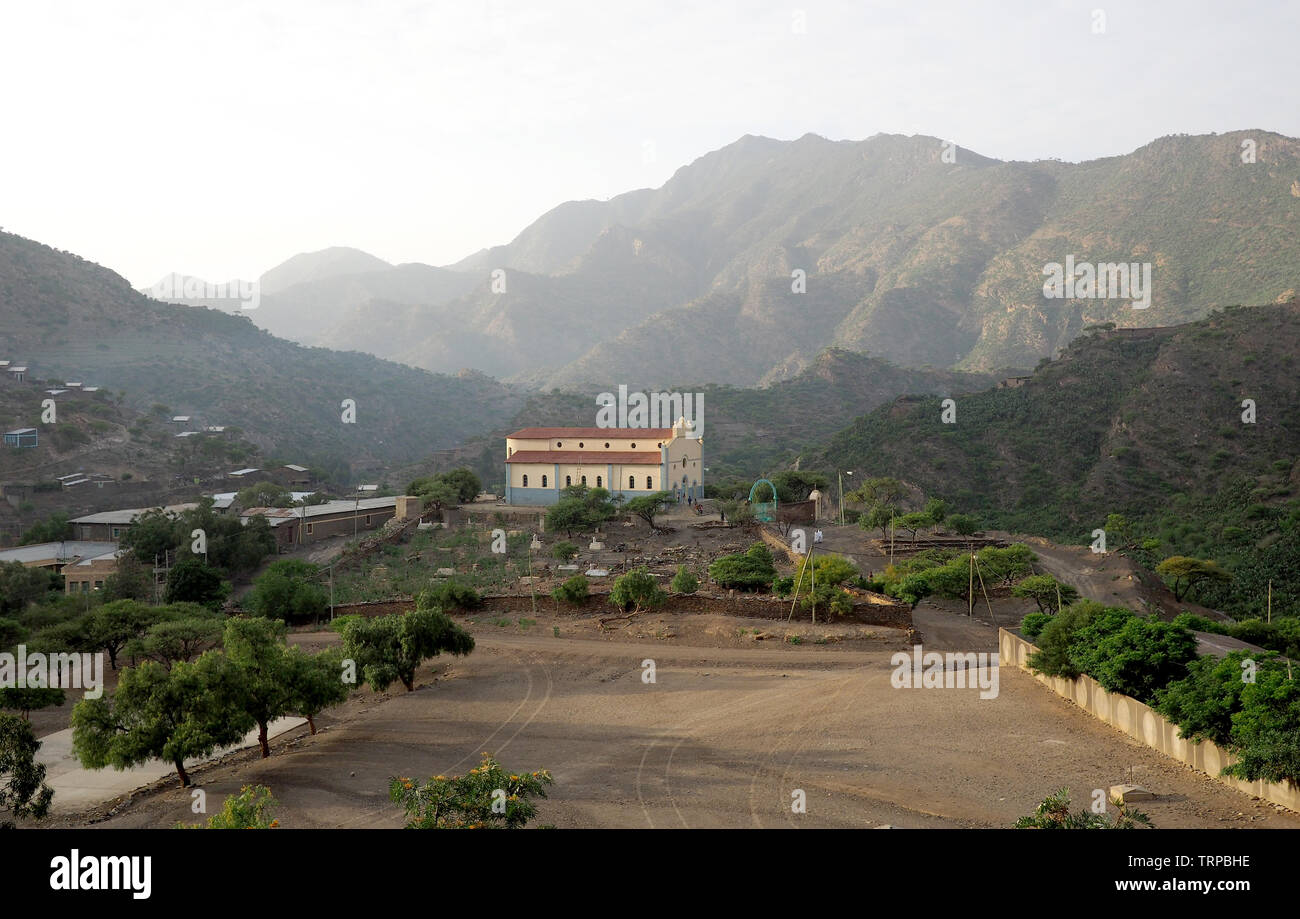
x=219 y=138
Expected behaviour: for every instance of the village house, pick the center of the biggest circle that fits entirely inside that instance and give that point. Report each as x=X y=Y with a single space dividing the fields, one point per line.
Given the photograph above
x=56 y=556
x=348 y=517
x=628 y=462
x=88 y=574
x=107 y=525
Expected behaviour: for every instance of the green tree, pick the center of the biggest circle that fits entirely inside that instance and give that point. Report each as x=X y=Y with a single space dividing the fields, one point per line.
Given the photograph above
x=963 y=524
x=637 y=590
x=1266 y=730
x=263 y=494
x=256 y=651
x=487 y=798
x=878 y=516
x=316 y=683
x=1046 y=591
x=572 y=591
x=794 y=485
x=936 y=510
x=54 y=528
x=130 y=580
x=1131 y=654
x=156 y=713
x=883 y=490
x=23 y=793
x=914 y=521
x=1057 y=638
x=288 y=591
x=178 y=639
x=468 y=485
x=21 y=586
x=564 y=551
x=684 y=581
x=29 y=699
x=153 y=534
x=1203 y=702
x=648 y=506
x=114 y=624
x=191 y=580
x=390 y=649
x=1182 y=573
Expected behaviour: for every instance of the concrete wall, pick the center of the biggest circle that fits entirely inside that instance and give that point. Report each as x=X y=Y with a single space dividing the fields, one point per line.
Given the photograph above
x=1144 y=724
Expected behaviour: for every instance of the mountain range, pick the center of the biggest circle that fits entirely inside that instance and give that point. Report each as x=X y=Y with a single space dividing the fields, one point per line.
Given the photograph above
x=753 y=259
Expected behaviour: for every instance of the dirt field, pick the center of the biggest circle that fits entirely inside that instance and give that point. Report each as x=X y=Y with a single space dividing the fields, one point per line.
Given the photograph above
x=734 y=723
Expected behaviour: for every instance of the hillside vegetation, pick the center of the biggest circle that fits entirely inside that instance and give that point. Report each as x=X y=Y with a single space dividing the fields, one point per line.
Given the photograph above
x=1147 y=425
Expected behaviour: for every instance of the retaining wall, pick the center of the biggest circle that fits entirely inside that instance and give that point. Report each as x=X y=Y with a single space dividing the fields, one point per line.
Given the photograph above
x=894 y=615
x=1143 y=723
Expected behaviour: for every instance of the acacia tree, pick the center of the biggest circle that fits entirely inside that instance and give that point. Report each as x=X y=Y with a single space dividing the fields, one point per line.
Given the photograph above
x=638 y=590
x=878 y=517
x=389 y=649
x=110 y=627
x=1183 y=573
x=24 y=792
x=648 y=506
x=1045 y=590
x=29 y=698
x=157 y=713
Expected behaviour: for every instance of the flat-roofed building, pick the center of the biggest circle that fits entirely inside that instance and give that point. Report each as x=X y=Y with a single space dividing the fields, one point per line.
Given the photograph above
x=112 y=524
x=89 y=574
x=56 y=555
x=314 y=522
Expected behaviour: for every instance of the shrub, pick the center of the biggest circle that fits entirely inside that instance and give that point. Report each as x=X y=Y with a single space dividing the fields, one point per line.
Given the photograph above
x=248 y=810
x=749 y=570
x=1054 y=641
x=564 y=551
x=1033 y=624
x=574 y=590
x=684 y=581
x=487 y=798
x=1054 y=814
x=783 y=586
x=453 y=594
x=637 y=590
x=1133 y=655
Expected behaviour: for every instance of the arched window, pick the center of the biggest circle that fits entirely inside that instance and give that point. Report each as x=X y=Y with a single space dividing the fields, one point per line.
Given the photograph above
x=631 y=481
x=543 y=481
x=568 y=480
x=598 y=481
x=525 y=480
x=584 y=480
x=649 y=482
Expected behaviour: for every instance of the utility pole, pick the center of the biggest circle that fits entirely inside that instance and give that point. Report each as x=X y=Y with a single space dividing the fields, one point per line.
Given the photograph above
x=970 y=591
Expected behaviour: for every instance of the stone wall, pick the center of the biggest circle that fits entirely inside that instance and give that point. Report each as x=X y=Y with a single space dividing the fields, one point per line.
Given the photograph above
x=892 y=614
x=1143 y=723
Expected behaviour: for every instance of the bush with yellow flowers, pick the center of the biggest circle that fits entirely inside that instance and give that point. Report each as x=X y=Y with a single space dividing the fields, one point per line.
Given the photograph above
x=248 y=810
x=486 y=798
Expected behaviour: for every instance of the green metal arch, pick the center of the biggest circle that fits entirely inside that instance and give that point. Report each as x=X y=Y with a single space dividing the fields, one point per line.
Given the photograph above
x=763 y=510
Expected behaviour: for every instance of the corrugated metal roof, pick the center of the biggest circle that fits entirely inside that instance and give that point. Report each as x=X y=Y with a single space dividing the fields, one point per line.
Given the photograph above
x=56 y=551
x=126 y=515
x=587 y=457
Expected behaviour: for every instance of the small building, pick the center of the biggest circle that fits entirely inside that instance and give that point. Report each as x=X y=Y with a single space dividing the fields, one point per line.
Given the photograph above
x=56 y=555
x=290 y=475
x=180 y=419
x=628 y=462
x=89 y=574
x=107 y=525
x=21 y=437
x=243 y=474
x=17 y=374
x=312 y=523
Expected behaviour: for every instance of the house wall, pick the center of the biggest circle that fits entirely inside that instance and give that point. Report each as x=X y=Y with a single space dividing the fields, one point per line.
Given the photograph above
x=85 y=578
